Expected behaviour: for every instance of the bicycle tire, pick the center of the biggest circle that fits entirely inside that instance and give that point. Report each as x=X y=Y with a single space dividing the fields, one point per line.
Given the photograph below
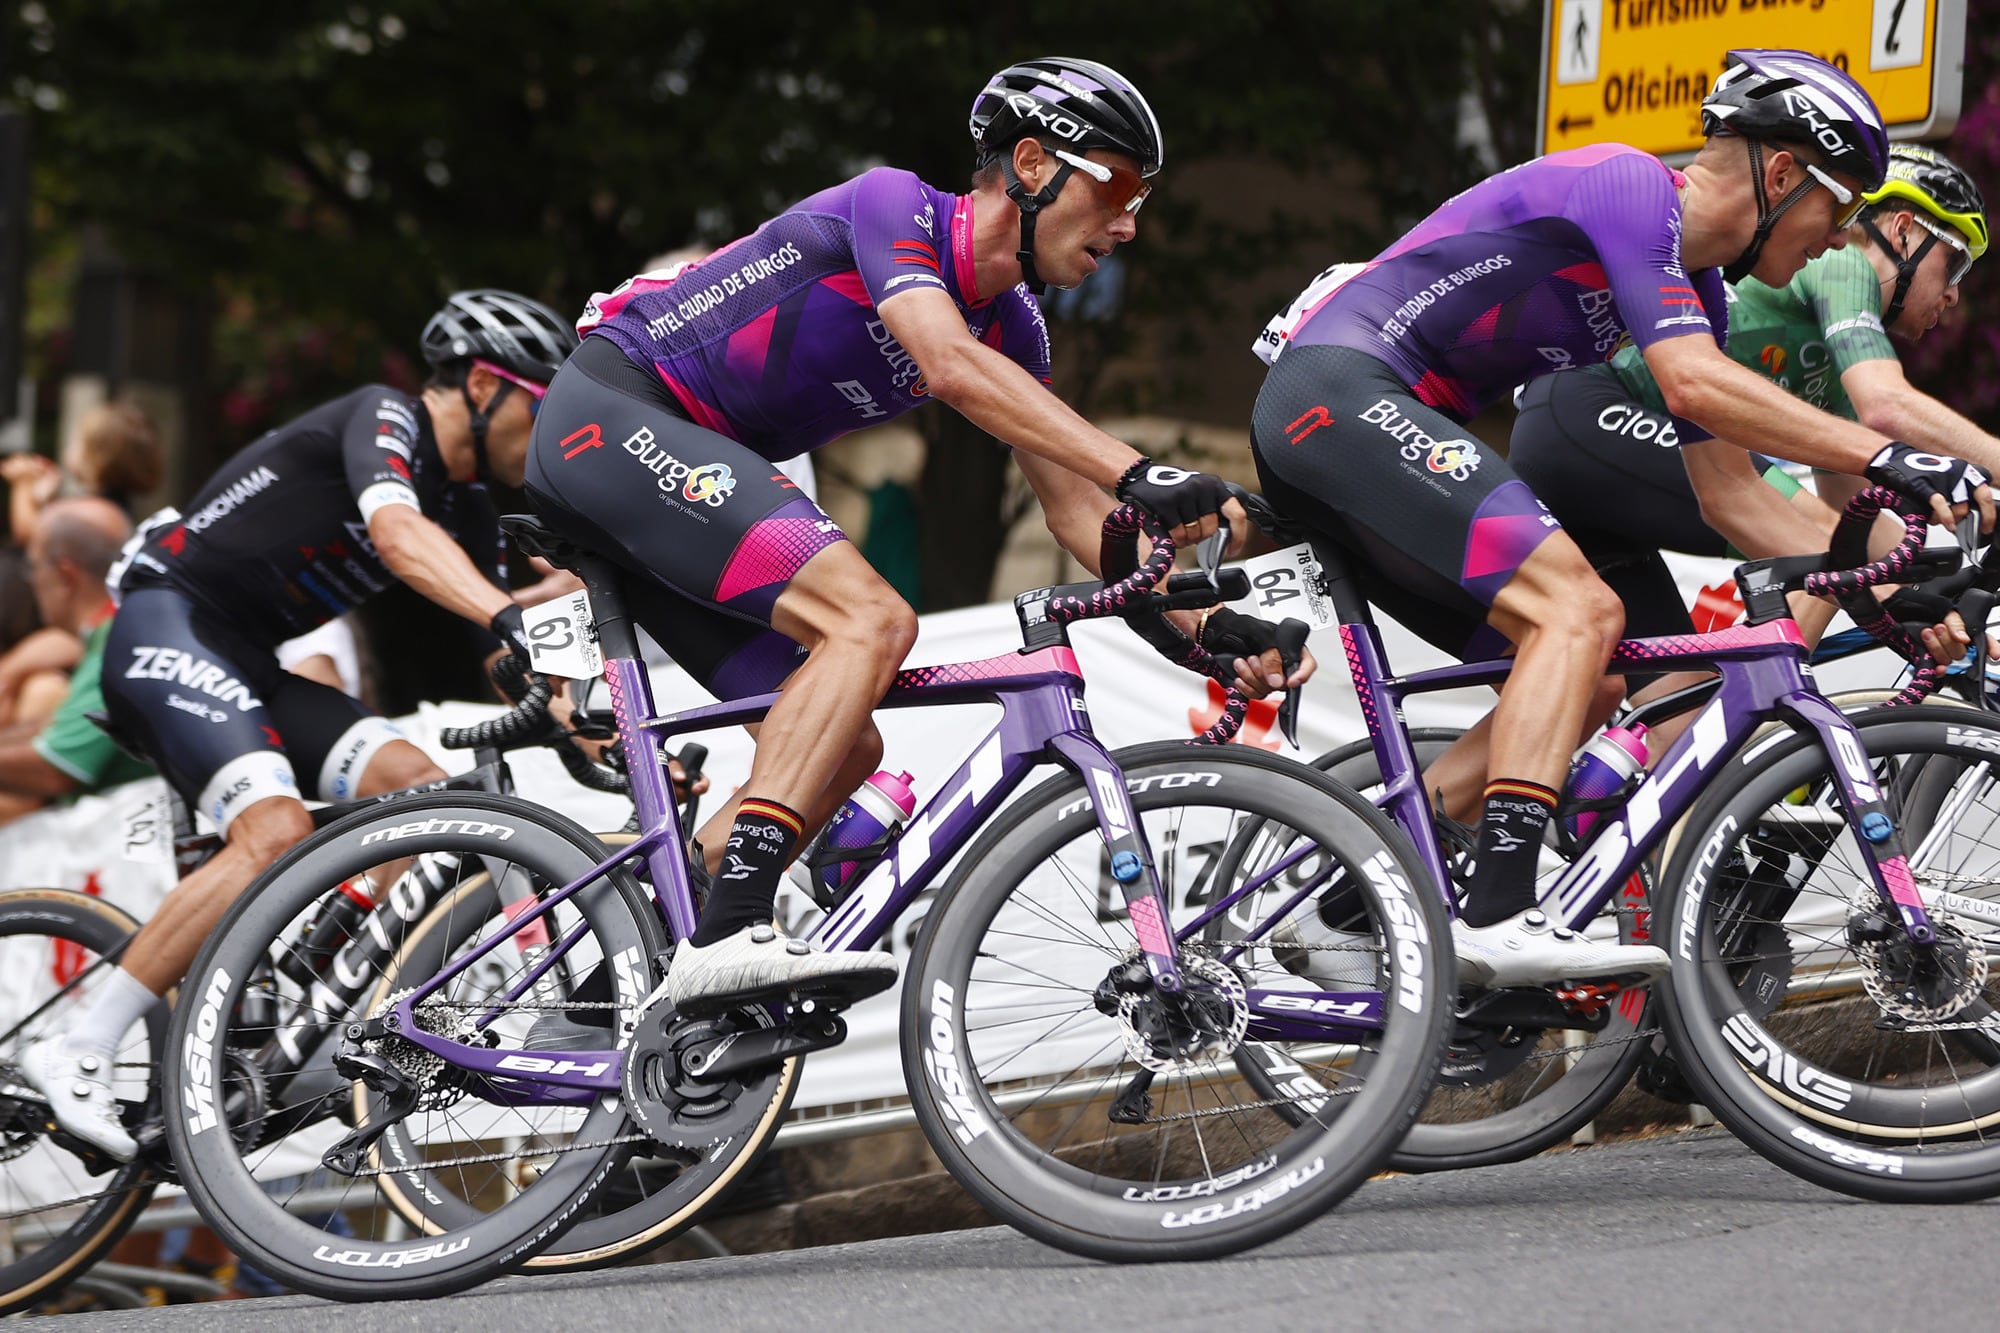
x=612 y=1230
x=1124 y=1198
x=1523 y=1111
x=93 y=928
x=1835 y=1086
x=431 y=836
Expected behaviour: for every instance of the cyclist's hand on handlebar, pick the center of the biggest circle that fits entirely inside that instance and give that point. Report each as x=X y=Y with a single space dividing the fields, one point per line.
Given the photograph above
x=1256 y=646
x=507 y=626
x=1944 y=485
x=1185 y=501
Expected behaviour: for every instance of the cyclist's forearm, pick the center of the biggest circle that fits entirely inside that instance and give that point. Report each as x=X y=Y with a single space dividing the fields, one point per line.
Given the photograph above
x=423 y=555
x=1073 y=507
x=1895 y=407
x=1734 y=403
x=1009 y=404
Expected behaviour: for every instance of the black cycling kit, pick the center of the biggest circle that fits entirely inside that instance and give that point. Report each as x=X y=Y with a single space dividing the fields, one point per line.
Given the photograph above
x=273 y=546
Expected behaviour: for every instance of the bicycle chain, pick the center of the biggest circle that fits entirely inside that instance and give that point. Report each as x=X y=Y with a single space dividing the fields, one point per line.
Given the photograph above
x=481 y=1159
x=1234 y=1107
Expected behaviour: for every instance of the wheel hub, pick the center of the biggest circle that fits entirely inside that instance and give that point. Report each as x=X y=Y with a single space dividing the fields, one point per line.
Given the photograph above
x=1924 y=983
x=1176 y=1034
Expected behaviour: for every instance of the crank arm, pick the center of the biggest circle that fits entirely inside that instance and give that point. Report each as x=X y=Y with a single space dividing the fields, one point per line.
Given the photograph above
x=807 y=1031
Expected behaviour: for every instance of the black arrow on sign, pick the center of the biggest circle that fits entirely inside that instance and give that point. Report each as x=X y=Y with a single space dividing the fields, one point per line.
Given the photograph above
x=1564 y=125
x=1894 y=42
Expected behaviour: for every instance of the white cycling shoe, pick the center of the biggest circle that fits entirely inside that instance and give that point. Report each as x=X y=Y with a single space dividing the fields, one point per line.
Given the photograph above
x=79 y=1091
x=757 y=963
x=1529 y=950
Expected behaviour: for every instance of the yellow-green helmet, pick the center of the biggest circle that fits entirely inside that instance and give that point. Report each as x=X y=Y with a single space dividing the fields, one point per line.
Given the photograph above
x=1940 y=187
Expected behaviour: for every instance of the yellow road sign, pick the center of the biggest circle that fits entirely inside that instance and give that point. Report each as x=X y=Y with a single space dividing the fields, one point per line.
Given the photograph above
x=1635 y=71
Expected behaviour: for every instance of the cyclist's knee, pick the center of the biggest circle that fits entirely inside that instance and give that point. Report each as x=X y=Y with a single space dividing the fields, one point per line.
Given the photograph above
x=396 y=765
x=267 y=830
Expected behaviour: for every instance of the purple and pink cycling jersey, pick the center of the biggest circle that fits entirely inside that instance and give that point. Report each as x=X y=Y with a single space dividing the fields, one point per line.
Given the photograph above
x=1549 y=265
x=774 y=340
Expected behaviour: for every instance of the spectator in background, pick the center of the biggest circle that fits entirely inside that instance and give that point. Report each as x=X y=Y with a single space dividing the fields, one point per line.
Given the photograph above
x=115 y=454
x=63 y=752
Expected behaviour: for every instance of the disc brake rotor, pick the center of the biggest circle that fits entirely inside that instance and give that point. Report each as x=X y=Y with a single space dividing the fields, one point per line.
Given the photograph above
x=1189 y=1032
x=1925 y=985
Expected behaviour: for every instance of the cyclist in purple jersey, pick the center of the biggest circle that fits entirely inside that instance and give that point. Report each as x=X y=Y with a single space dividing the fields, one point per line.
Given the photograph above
x=846 y=310
x=315 y=517
x=1359 y=429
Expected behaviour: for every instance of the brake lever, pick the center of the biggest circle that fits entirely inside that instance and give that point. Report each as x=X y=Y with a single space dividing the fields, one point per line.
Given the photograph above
x=1967 y=532
x=1291 y=652
x=1211 y=550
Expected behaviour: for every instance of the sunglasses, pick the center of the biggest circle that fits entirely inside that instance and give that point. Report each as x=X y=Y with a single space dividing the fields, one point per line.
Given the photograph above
x=1848 y=203
x=1961 y=258
x=1119 y=188
x=535 y=391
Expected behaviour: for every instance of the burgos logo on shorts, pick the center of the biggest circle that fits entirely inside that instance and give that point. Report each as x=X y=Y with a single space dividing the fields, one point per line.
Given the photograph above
x=1457 y=458
x=703 y=483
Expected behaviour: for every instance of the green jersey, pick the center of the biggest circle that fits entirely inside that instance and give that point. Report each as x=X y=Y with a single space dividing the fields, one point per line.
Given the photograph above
x=1802 y=336
x=75 y=744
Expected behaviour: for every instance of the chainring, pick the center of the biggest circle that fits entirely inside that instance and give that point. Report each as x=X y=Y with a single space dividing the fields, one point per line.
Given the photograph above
x=679 y=1109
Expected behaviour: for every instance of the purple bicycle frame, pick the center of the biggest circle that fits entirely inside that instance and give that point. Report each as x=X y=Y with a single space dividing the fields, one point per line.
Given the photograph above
x=1763 y=678
x=1042 y=716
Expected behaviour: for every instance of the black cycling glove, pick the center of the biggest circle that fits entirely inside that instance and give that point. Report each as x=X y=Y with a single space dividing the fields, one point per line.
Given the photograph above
x=1921 y=475
x=507 y=626
x=1173 y=495
x=1919 y=606
x=1229 y=634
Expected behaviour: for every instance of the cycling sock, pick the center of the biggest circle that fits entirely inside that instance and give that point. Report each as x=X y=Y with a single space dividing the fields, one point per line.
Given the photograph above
x=121 y=1000
x=1510 y=841
x=759 y=847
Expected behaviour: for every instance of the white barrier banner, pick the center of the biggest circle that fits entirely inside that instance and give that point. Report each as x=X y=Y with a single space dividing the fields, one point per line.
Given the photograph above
x=116 y=845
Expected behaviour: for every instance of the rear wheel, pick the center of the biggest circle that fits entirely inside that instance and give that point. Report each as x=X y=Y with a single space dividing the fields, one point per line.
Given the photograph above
x=655 y=1195
x=254 y=1108
x=1507 y=1093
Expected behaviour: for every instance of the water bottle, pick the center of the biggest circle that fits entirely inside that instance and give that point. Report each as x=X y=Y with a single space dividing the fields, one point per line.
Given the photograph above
x=340 y=915
x=1602 y=768
x=879 y=806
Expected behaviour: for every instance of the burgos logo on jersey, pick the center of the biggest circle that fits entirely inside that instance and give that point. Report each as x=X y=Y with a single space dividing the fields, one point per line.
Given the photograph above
x=1458 y=459
x=701 y=483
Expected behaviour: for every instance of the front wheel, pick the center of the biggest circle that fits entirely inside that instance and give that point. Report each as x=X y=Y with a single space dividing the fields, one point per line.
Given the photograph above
x=1167 y=1129
x=1805 y=1018
x=56 y=1218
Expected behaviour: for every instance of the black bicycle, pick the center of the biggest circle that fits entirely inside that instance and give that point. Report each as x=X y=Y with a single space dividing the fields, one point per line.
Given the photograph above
x=64 y=1204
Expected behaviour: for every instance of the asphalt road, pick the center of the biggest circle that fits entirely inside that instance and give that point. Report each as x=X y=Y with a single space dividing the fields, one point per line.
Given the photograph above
x=1676 y=1232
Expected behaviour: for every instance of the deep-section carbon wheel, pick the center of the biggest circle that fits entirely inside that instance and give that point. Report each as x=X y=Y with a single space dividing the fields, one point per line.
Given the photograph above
x=56 y=1217
x=656 y=1194
x=255 y=1104
x=1805 y=1018
x=1097 y=1114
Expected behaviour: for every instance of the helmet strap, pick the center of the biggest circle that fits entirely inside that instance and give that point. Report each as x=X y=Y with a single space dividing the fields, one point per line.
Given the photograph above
x=1906 y=268
x=476 y=421
x=1031 y=204
x=1767 y=216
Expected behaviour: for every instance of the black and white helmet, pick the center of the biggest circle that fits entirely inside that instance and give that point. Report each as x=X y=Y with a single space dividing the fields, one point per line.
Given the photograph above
x=521 y=336
x=1789 y=95
x=1079 y=103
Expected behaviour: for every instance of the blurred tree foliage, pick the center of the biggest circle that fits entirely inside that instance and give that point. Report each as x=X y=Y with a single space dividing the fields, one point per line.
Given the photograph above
x=319 y=173
x=1959 y=360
